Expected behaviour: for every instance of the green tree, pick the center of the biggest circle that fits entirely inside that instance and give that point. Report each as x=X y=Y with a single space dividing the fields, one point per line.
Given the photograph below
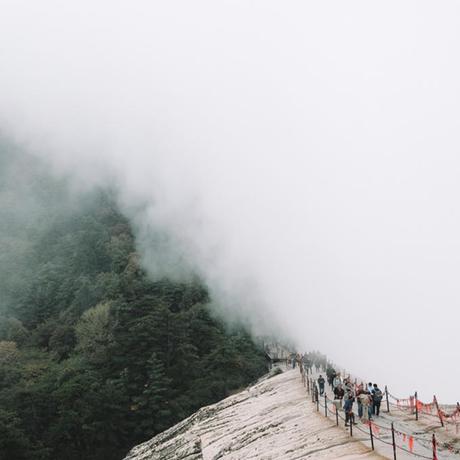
x=153 y=406
x=14 y=443
x=11 y=329
x=94 y=333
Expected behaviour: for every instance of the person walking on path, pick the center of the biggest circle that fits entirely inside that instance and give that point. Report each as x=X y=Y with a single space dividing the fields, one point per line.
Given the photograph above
x=316 y=366
x=337 y=381
x=348 y=385
x=360 y=406
x=370 y=389
x=377 y=397
x=330 y=374
x=339 y=393
x=307 y=362
x=321 y=384
x=365 y=402
x=349 y=399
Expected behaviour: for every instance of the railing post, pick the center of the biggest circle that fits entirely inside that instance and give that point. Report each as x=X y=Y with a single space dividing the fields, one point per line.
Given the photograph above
x=325 y=405
x=372 y=435
x=388 y=402
x=439 y=411
x=393 y=439
x=435 y=450
x=416 y=406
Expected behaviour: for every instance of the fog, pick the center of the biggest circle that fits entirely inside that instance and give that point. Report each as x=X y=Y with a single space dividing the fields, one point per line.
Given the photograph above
x=301 y=156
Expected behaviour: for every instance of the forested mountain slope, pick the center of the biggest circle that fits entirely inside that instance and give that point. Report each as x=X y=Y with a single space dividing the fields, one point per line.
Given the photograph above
x=95 y=356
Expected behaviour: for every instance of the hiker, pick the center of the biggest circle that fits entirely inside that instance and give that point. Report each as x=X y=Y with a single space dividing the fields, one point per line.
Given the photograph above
x=370 y=389
x=349 y=399
x=337 y=381
x=339 y=393
x=365 y=402
x=321 y=384
x=316 y=366
x=377 y=396
x=330 y=373
x=371 y=405
x=348 y=385
x=307 y=363
x=360 y=406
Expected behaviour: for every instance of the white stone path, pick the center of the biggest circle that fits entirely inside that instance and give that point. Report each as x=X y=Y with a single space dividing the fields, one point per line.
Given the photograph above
x=404 y=422
x=273 y=419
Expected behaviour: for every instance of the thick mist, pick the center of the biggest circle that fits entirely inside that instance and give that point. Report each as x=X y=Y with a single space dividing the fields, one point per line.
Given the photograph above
x=301 y=156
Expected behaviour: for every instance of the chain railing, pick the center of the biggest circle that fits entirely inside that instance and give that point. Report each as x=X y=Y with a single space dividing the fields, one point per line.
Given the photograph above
x=398 y=439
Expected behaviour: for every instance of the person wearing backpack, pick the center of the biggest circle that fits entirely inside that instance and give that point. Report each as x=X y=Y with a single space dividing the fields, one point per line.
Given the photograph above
x=377 y=397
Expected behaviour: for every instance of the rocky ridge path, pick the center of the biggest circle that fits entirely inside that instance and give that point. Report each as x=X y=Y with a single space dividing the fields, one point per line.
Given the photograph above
x=405 y=427
x=272 y=419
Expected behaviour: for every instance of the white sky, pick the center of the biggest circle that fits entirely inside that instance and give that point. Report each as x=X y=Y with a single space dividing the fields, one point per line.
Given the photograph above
x=303 y=154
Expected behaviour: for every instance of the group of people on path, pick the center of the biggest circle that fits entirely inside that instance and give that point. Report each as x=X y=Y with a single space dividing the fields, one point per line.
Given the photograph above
x=313 y=359
x=368 y=397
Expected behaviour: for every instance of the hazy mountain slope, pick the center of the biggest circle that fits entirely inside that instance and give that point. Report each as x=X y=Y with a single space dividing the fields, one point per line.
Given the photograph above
x=96 y=355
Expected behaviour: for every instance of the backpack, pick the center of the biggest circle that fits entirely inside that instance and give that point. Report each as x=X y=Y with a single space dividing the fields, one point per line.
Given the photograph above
x=378 y=395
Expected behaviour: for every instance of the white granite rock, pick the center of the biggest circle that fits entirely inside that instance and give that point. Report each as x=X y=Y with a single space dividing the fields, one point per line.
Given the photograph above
x=270 y=420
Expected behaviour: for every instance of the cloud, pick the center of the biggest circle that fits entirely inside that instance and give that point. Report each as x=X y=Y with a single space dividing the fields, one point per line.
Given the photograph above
x=301 y=156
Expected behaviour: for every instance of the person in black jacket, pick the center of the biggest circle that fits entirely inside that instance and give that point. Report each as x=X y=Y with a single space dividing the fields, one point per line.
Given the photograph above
x=339 y=393
x=377 y=396
x=321 y=384
x=330 y=374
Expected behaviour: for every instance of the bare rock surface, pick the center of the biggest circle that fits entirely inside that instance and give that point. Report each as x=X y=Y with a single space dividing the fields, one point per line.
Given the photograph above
x=271 y=420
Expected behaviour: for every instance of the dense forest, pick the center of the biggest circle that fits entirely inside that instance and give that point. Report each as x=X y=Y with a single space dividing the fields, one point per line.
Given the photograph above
x=95 y=355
